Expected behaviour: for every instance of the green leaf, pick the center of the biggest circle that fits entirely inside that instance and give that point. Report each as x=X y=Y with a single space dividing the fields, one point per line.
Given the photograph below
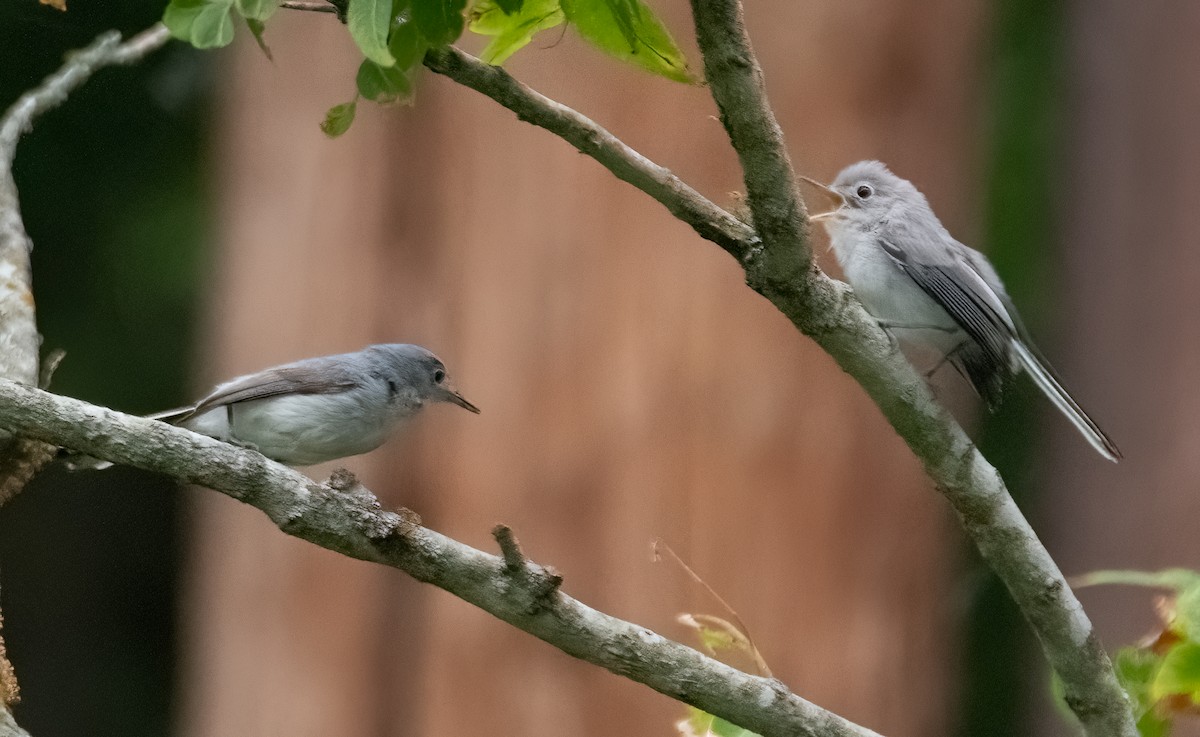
x=1179 y=673
x=369 y=22
x=1135 y=668
x=512 y=31
x=205 y=24
x=407 y=44
x=338 y=119
x=257 y=27
x=629 y=30
x=384 y=84
x=440 y=21
x=1152 y=724
x=510 y=6
x=259 y=10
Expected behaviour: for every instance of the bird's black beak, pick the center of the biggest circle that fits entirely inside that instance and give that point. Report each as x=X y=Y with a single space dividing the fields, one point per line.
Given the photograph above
x=453 y=396
x=834 y=196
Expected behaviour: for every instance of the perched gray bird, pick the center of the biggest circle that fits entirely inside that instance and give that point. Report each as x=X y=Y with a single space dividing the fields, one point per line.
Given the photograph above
x=320 y=409
x=934 y=291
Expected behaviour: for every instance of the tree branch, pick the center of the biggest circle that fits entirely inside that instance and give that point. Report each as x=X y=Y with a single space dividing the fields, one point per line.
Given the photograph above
x=19 y=339
x=344 y=517
x=20 y=459
x=685 y=203
x=781 y=269
x=9 y=726
x=961 y=473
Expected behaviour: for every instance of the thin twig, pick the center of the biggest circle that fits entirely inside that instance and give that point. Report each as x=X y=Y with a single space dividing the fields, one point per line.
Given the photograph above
x=349 y=520
x=685 y=203
x=510 y=548
x=740 y=628
x=309 y=6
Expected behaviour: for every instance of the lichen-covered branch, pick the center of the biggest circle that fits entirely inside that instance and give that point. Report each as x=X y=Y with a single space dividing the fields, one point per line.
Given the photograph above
x=19 y=339
x=21 y=458
x=961 y=473
x=344 y=517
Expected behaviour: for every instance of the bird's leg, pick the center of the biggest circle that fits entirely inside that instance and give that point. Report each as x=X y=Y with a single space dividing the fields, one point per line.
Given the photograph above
x=949 y=357
x=230 y=438
x=889 y=326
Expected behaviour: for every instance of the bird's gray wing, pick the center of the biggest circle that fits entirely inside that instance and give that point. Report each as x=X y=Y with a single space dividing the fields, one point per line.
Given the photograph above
x=314 y=376
x=958 y=287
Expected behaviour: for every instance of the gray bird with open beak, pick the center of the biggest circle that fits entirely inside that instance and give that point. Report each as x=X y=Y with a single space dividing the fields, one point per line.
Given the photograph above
x=931 y=290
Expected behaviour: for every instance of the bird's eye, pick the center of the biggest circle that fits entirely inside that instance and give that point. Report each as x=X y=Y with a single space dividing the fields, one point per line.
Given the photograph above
x=864 y=191
x=439 y=376
x=392 y=388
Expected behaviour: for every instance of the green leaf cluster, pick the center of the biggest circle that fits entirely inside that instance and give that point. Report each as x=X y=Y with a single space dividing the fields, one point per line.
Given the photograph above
x=208 y=24
x=626 y=29
x=393 y=36
x=1162 y=676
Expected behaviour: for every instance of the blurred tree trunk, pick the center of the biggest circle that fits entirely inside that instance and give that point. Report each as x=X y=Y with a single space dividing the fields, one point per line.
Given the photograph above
x=632 y=387
x=1128 y=297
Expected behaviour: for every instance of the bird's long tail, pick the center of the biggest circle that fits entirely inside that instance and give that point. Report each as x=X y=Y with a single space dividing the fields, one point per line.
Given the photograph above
x=1044 y=377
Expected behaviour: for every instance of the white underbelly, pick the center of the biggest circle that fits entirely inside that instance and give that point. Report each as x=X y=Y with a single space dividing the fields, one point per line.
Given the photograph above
x=900 y=304
x=300 y=430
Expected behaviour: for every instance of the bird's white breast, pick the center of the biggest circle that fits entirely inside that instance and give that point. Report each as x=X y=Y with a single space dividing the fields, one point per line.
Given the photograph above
x=305 y=429
x=886 y=291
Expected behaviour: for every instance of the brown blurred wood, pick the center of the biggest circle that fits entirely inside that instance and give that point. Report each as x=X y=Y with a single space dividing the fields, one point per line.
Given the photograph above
x=1127 y=303
x=632 y=387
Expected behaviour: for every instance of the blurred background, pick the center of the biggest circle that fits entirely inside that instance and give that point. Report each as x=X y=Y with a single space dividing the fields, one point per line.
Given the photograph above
x=191 y=223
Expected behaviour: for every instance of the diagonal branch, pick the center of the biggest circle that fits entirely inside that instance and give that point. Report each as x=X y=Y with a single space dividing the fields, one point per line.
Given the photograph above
x=961 y=473
x=685 y=203
x=782 y=270
x=344 y=517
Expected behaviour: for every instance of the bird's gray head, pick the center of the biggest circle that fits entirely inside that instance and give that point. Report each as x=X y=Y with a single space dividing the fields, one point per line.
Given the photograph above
x=419 y=371
x=866 y=193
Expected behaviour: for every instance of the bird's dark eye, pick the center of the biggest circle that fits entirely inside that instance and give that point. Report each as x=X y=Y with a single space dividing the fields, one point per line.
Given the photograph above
x=439 y=376
x=392 y=388
x=864 y=191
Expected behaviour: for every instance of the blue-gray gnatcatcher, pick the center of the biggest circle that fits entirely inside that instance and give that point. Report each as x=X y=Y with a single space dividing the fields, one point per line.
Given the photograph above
x=320 y=409
x=933 y=291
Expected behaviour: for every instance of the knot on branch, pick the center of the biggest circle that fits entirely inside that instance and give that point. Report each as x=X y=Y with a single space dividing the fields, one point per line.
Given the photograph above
x=343 y=479
x=363 y=507
x=541 y=583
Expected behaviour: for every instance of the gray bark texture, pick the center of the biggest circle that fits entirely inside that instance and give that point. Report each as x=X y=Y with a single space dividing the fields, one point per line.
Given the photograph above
x=341 y=515
x=20 y=457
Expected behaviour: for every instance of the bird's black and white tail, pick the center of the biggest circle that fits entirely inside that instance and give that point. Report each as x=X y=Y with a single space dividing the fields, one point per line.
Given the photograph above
x=1044 y=377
